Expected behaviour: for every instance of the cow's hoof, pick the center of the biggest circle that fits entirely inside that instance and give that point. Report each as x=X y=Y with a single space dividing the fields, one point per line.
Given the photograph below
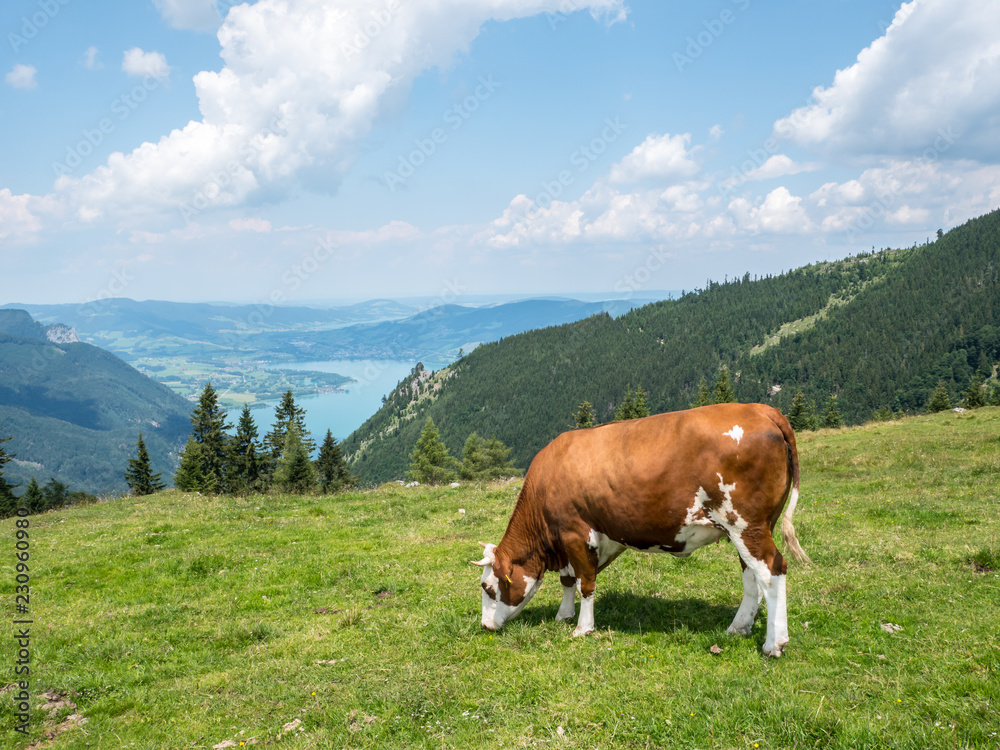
x=560 y=617
x=582 y=631
x=774 y=651
x=735 y=629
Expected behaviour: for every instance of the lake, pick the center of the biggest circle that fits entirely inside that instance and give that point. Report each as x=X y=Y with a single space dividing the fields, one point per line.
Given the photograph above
x=342 y=413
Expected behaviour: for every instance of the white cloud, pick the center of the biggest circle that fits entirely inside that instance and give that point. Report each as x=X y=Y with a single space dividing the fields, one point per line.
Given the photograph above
x=195 y=15
x=16 y=219
x=659 y=157
x=300 y=87
x=250 y=225
x=89 y=59
x=394 y=231
x=136 y=62
x=22 y=77
x=780 y=165
x=936 y=70
x=779 y=212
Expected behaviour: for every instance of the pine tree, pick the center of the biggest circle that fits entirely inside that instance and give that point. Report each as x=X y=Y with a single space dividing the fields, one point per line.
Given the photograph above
x=704 y=397
x=190 y=476
x=245 y=465
x=995 y=395
x=584 y=416
x=295 y=472
x=940 y=400
x=32 y=499
x=800 y=416
x=486 y=460
x=633 y=405
x=724 y=393
x=8 y=502
x=974 y=398
x=430 y=462
x=334 y=474
x=286 y=414
x=208 y=428
x=832 y=417
x=55 y=494
x=140 y=477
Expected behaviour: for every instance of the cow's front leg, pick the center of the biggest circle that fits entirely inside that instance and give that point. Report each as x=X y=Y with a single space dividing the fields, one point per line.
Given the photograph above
x=568 y=607
x=752 y=594
x=583 y=561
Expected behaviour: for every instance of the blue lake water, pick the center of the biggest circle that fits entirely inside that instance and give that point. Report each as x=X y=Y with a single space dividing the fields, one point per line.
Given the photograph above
x=342 y=413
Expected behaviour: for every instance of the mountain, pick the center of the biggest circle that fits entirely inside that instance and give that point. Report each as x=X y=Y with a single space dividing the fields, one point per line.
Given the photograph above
x=75 y=411
x=435 y=335
x=879 y=330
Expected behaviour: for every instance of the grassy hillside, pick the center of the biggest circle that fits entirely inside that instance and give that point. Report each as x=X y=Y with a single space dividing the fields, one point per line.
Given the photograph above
x=878 y=330
x=75 y=413
x=353 y=621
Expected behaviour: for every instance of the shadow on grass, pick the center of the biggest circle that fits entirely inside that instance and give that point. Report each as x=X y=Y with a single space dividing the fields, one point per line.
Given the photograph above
x=633 y=613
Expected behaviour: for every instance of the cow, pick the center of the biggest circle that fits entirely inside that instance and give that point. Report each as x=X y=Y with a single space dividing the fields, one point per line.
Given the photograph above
x=667 y=483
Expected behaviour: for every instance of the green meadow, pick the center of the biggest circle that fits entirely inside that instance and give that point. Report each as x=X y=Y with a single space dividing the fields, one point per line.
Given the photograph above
x=352 y=621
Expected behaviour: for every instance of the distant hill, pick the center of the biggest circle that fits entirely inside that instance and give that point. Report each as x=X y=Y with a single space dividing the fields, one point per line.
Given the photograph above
x=879 y=330
x=75 y=411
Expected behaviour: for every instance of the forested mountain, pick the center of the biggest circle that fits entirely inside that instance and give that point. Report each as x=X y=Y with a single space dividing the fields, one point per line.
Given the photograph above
x=879 y=330
x=75 y=411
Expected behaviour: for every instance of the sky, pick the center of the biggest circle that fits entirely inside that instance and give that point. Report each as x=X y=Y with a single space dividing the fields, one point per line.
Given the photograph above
x=290 y=150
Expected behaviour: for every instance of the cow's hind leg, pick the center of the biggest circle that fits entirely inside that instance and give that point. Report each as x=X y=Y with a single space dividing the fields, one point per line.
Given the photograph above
x=568 y=607
x=752 y=594
x=758 y=552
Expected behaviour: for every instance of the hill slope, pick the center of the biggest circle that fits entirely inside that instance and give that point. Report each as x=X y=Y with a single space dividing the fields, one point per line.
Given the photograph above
x=188 y=621
x=75 y=411
x=879 y=330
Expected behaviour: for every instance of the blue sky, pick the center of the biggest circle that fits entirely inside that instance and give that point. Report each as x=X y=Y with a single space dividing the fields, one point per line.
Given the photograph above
x=306 y=149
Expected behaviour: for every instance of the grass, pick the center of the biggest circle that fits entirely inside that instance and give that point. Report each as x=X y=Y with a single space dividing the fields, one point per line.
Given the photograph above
x=352 y=621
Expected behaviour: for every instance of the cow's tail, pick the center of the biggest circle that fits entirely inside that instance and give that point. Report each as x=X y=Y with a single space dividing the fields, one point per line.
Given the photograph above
x=787 y=527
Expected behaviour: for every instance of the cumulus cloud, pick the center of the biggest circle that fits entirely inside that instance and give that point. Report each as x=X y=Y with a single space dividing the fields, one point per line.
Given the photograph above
x=194 y=15
x=780 y=165
x=936 y=69
x=16 y=219
x=659 y=157
x=22 y=77
x=300 y=87
x=136 y=62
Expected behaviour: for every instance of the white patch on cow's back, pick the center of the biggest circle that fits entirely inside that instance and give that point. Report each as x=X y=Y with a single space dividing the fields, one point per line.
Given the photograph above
x=606 y=547
x=736 y=433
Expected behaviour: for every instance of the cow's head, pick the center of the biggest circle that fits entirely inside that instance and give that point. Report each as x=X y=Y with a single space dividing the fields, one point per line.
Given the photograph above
x=507 y=587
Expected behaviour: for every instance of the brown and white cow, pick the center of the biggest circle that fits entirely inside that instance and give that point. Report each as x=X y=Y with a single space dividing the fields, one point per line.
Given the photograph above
x=667 y=483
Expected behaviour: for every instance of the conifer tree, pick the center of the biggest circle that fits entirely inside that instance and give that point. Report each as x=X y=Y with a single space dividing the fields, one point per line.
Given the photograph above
x=974 y=398
x=430 y=462
x=486 y=460
x=245 y=465
x=331 y=466
x=140 y=477
x=800 y=416
x=633 y=405
x=286 y=414
x=498 y=463
x=190 y=476
x=473 y=458
x=584 y=416
x=55 y=494
x=704 y=397
x=995 y=395
x=8 y=502
x=724 y=393
x=33 y=499
x=940 y=400
x=295 y=472
x=208 y=428
x=832 y=417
